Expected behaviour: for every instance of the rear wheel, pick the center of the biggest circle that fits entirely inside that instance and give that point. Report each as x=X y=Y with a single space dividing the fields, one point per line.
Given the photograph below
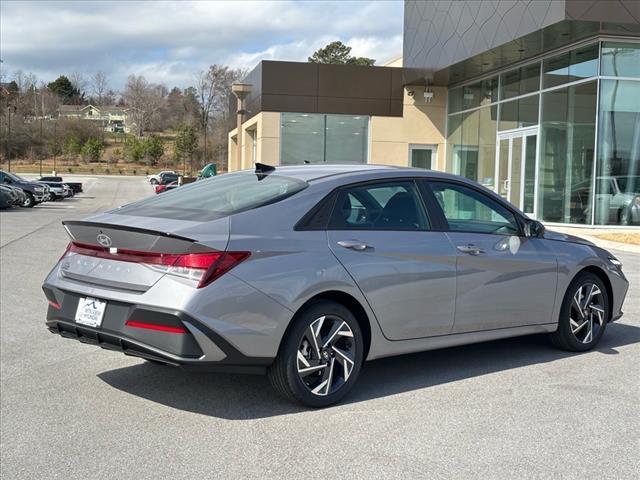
x=584 y=314
x=320 y=359
x=29 y=201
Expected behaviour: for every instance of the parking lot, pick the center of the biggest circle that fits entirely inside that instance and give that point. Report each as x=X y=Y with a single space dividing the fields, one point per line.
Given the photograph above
x=507 y=409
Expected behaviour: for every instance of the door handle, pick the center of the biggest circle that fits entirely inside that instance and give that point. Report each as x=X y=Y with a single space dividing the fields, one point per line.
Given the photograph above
x=470 y=249
x=353 y=245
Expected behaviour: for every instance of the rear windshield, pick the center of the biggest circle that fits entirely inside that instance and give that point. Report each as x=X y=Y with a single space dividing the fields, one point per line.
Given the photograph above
x=216 y=197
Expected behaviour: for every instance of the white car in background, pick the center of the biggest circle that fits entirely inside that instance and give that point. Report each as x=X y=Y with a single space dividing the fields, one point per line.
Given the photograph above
x=155 y=179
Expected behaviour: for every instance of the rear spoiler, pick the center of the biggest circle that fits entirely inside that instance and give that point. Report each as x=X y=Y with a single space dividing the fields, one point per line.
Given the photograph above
x=130 y=238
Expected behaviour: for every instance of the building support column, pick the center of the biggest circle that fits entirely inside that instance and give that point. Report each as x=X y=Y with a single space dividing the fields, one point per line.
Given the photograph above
x=240 y=90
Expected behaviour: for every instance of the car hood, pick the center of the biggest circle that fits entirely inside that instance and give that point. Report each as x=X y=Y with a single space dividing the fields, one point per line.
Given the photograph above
x=565 y=237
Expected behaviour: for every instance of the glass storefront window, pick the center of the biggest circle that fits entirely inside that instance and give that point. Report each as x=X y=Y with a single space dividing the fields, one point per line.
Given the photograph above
x=473 y=95
x=302 y=138
x=318 y=138
x=472 y=145
x=519 y=113
x=487 y=146
x=346 y=139
x=571 y=66
x=620 y=59
x=520 y=81
x=617 y=199
x=566 y=154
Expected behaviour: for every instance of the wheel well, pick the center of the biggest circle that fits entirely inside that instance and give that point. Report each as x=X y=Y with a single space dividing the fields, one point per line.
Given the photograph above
x=598 y=272
x=354 y=307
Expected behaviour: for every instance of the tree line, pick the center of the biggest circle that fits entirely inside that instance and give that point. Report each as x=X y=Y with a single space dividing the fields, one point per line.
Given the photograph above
x=31 y=128
x=173 y=126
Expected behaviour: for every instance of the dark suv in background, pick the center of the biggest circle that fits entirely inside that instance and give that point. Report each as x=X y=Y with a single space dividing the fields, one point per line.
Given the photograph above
x=35 y=192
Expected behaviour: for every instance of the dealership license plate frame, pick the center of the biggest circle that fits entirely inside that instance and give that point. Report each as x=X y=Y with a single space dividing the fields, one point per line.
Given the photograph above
x=90 y=312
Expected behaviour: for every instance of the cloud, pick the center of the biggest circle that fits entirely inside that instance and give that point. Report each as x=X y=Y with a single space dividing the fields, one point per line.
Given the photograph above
x=171 y=41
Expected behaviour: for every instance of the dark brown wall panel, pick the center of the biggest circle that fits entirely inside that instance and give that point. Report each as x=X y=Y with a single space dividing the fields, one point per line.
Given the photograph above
x=355 y=106
x=289 y=78
x=354 y=81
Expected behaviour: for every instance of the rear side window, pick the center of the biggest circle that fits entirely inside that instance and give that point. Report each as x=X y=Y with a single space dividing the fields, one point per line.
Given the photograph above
x=379 y=206
x=216 y=197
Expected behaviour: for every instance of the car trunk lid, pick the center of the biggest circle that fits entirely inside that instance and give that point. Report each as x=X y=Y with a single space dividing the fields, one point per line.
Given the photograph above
x=136 y=252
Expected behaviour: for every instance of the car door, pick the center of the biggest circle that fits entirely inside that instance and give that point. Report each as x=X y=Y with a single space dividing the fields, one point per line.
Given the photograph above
x=381 y=234
x=504 y=279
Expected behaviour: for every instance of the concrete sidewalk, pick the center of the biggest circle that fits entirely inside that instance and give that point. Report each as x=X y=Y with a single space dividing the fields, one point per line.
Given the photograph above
x=591 y=234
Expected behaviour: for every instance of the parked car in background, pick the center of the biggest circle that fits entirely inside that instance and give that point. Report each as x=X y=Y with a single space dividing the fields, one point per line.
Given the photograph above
x=167 y=177
x=163 y=188
x=35 y=192
x=76 y=187
x=8 y=197
x=18 y=193
x=58 y=190
x=155 y=179
x=306 y=272
x=618 y=200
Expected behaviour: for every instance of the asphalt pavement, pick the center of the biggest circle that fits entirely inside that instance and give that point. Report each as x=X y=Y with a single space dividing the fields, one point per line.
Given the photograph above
x=515 y=408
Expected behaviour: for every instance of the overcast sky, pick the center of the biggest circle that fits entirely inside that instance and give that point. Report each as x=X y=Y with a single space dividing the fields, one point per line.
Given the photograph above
x=171 y=41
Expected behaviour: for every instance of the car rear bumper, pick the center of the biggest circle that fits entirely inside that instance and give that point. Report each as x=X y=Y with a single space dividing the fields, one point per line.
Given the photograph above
x=197 y=347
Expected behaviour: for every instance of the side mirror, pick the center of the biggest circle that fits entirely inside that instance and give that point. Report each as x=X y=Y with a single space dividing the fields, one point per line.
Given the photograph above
x=533 y=228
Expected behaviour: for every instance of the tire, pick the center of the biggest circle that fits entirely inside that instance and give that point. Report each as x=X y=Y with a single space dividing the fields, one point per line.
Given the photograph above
x=583 y=315
x=29 y=202
x=333 y=367
x=153 y=181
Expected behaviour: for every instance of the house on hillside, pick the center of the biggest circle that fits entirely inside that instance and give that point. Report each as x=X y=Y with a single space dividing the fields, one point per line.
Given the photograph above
x=112 y=118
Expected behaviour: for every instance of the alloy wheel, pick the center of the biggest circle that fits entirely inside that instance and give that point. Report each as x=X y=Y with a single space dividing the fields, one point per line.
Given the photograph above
x=326 y=355
x=587 y=313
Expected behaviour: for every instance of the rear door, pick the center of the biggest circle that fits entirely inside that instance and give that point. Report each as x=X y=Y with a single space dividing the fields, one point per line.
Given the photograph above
x=381 y=234
x=503 y=278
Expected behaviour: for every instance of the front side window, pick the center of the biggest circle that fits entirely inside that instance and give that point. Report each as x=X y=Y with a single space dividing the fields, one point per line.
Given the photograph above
x=467 y=210
x=380 y=206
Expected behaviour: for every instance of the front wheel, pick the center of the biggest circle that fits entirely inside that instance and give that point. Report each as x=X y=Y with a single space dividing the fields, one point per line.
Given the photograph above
x=153 y=181
x=29 y=201
x=321 y=356
x=583 y=315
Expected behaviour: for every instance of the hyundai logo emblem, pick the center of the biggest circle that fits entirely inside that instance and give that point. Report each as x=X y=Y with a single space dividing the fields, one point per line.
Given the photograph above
x=104 y=240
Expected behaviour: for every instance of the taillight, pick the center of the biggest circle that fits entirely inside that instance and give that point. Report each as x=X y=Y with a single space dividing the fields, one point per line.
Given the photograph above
x=155 y=326
x=202 y=267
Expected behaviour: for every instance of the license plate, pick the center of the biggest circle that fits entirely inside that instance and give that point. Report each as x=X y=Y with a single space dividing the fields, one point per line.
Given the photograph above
x=90 y=311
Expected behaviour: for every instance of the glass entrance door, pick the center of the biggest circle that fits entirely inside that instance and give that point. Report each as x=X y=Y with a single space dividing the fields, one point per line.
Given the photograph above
x=516 y=168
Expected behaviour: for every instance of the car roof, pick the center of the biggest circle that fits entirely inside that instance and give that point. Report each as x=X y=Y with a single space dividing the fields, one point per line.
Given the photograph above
x=310 y=173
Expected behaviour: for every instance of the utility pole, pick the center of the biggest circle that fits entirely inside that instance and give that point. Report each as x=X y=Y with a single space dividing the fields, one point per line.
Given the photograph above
x=55 y=143
x=9 y=136
x=41 y=118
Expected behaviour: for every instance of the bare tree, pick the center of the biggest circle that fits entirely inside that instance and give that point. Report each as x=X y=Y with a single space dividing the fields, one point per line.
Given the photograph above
x=99 y=87
x=213 y=88
x=78 y=81
x=145 y=100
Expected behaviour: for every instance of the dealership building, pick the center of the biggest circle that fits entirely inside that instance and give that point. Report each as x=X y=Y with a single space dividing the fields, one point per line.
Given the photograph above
x=537 y=100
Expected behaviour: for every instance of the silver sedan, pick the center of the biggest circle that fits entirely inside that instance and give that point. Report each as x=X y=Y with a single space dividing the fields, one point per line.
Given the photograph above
x=306 y=272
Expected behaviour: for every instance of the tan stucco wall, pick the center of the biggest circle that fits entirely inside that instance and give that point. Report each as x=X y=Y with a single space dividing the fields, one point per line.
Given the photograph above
x=266 y=126
x=422 y=123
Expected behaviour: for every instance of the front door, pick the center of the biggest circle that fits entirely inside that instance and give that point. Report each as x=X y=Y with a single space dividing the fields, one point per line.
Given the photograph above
x=381 y=234
x=516 y=168
x=504 y=279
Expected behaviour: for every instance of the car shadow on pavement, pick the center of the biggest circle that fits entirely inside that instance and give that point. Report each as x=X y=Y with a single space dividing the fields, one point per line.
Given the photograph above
x=240 y=397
